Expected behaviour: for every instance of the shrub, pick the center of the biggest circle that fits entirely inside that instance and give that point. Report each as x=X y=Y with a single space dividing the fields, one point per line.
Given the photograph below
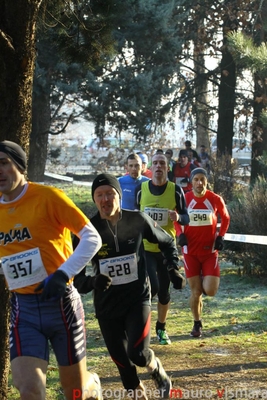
x=223 y=179
x=249 y=216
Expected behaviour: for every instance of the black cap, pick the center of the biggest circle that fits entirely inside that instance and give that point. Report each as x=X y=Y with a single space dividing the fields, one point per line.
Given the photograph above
x=106 y=179
x=15 y=152
x=198 y=171
x=183 y=153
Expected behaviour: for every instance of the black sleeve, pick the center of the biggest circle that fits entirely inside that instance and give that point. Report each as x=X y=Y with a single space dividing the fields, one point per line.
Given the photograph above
x=83 y=282
x=181 y=207
x=137 y=196
x=75 y=241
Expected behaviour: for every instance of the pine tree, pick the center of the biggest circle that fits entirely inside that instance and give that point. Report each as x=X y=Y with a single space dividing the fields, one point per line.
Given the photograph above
x=250 y=52
x=71 y=40
x=138 y=88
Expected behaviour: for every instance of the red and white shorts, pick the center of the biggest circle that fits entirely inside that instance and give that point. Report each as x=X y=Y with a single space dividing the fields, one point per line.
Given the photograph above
x=201 y=265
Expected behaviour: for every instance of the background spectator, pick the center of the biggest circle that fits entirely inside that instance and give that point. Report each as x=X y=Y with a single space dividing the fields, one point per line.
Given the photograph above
x=171 y=161
x=205 y=158
x=145 y=170
x=182 y=171
x=188 y=146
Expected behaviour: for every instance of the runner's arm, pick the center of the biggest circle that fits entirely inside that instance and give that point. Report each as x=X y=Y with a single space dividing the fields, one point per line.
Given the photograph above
x=89 y=244
x=181 y=207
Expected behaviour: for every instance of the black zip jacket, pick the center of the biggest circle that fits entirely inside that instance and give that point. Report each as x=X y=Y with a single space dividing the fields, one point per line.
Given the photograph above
x=126 y=238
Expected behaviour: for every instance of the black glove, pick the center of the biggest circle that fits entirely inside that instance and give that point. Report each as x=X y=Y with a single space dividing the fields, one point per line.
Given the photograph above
x=101 y=282
x=219 y=243
x=176 y=278
x=182 y=240
x=86 y=283
x=185 y=180
x=54 y=286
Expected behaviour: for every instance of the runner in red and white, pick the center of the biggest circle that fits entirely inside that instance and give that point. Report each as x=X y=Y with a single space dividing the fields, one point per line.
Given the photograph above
x=200 y=242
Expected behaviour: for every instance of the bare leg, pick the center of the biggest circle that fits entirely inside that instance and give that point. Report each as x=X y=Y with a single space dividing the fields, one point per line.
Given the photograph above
x=29 y=377
x=211 y=284
x=78 y=383
x=163 y=312
x=195 y=301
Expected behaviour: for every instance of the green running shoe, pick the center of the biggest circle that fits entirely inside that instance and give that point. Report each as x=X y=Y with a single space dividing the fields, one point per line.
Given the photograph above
x=163 y=337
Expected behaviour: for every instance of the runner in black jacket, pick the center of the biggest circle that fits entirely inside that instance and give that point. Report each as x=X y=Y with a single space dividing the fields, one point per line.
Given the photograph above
x=121 y=287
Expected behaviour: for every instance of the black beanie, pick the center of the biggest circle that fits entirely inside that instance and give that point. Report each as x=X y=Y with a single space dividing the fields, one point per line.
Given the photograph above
x=198 y=171
x=15 y=152
x=183 y=153
x=106 y=179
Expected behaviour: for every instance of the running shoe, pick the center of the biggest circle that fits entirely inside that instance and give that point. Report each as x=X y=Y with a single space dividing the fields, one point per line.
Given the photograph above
x=162 y=380
x=97 y=391
x=197 y=330
x=163 y=336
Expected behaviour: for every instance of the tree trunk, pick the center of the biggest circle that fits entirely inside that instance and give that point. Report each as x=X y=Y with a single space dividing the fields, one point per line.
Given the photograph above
x=201 y=89
x=226 y=95
x=17 y=50
x=4 y=345
x=259 y=132
x=227 y=87
x=38 y=141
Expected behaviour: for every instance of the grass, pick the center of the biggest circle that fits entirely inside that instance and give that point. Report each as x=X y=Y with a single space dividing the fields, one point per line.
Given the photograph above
x=230 y=359
x=234 y=339
x=79 y=194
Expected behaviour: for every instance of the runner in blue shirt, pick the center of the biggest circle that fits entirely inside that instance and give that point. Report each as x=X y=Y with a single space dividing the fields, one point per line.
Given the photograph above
x=131 y=181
